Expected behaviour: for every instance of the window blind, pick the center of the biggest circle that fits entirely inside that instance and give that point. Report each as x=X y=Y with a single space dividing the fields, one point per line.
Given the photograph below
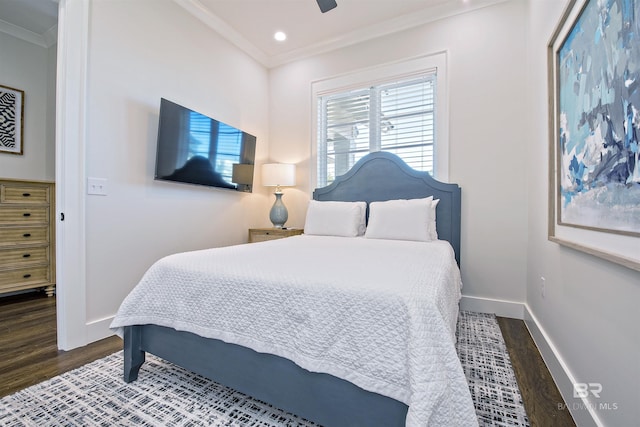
x=398 y=117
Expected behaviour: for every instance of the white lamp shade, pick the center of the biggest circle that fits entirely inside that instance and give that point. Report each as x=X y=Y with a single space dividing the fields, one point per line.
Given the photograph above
x=278 y=174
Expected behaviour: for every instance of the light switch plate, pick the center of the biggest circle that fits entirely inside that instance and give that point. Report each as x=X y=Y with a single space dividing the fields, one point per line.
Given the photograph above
x=97 y=186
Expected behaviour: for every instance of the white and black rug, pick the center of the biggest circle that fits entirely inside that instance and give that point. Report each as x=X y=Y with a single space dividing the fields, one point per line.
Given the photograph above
x=488 y=369
x=167 y=395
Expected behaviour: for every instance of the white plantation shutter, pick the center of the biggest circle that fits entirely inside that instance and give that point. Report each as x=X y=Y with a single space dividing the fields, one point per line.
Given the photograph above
x=398 y=117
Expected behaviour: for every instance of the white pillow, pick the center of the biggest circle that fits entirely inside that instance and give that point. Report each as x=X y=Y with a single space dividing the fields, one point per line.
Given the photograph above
x=345 y=219
x=433 y=232
x=400 y=219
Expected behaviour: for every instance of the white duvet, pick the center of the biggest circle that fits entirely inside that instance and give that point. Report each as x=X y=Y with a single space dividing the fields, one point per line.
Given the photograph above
x=378 y=313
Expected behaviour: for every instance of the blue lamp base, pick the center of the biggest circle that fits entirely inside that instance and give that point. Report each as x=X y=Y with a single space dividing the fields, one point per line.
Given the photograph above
x=278 y=214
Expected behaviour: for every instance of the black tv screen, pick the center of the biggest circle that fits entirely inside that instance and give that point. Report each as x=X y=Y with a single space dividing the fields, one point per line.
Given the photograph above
x=196 y=149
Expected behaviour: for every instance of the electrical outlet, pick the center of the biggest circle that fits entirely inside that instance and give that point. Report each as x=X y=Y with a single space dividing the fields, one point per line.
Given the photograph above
x=97 y=186
x=543 y=282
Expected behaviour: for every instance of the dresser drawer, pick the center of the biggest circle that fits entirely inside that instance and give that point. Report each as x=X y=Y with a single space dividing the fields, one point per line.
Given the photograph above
x=18 y=257
x=263 y=237
x=24 y=276
x=24 y=193
x=12 y=236
x=264 y=234
x=16 y=215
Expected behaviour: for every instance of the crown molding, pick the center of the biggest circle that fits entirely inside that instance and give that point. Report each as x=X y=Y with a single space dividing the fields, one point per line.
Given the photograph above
x=196 y=8
x=51 y=36
x=402 y=23
x=46 y=40
x=382 y=29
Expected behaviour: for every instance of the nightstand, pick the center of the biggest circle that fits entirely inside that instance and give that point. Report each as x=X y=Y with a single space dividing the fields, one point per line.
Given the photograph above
x=263 y=234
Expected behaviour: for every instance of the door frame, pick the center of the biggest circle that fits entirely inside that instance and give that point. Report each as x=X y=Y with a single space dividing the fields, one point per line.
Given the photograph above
x=71 y=131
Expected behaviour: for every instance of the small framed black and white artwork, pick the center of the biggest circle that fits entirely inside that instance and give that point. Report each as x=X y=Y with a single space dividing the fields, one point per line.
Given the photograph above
x=11 y=120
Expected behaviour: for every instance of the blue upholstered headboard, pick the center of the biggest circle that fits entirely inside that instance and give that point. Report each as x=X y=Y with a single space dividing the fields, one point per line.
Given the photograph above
x=384 y=176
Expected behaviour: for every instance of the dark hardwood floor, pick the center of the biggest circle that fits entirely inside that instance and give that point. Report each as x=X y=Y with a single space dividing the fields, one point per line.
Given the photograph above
x=28 y=348
x=542 y=400
x=29 y=355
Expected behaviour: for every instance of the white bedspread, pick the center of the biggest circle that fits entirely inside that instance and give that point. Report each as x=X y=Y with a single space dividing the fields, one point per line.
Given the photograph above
x=378 y=313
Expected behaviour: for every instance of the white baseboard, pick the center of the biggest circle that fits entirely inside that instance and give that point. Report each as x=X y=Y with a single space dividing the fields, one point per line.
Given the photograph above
x=512 y=309
x=99 y=329
x=581 y=409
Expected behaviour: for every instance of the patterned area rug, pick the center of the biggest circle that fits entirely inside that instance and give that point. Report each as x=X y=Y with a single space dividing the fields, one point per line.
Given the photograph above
x=167 y=395
x=488 y=369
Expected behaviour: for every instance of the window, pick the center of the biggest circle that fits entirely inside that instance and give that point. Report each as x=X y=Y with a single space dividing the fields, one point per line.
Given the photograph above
x=394 y=114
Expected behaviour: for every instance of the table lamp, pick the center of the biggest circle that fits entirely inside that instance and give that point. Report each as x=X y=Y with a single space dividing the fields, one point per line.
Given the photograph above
x=278 y=175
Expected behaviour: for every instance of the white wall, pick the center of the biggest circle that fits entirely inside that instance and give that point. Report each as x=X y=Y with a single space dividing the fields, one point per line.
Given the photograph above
x=486 y=66
x=139 y=52
x=589 y=314
x=31 y=68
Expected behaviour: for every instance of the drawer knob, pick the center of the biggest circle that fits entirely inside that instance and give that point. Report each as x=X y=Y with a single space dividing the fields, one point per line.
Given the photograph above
x=26 y=214
x=26 y=235
x=26 y=194
x=26 y=276
x=26 y=255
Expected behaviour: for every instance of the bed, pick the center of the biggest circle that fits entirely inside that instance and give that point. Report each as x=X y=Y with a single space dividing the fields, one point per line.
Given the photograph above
x=326 y=363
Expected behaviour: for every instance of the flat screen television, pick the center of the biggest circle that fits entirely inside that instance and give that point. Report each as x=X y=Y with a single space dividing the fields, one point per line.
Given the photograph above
x=195 y=149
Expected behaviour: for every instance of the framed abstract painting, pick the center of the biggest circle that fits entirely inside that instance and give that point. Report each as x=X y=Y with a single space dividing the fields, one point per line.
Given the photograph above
x=11 y=118
x=594 y=84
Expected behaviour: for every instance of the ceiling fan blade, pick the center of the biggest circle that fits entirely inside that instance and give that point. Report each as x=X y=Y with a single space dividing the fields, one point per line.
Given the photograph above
x=326 y=5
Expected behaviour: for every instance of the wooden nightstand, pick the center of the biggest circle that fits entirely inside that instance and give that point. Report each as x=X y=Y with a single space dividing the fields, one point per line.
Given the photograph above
x=262 y=234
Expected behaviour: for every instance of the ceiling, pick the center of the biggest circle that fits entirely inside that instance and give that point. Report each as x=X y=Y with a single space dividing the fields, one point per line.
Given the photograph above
x=251 y=24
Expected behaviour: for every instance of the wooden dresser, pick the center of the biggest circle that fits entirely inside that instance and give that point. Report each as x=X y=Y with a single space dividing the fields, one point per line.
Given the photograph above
x=27 y=235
